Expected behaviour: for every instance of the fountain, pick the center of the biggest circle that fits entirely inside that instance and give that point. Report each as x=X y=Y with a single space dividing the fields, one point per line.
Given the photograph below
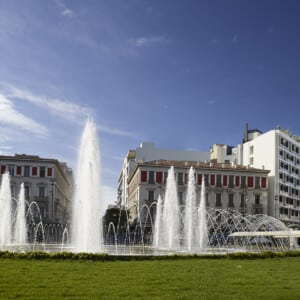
x=190 y=227
x=203 y=240
x=190 y=220
x=20 y=230
x=169 y=224
x=5 y=211
x=87 y=213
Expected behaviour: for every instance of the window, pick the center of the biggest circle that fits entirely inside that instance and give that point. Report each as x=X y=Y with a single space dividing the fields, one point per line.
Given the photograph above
x=34 y=171
x=212 y=179
x=237 y=181
x=179 y=178
x=165 y=177
x=180 y=198
x=224 y=180
x=42 y=171
x=19 y=170
x=243 y=181
x=230 y=200
x=26 y=171
x=206 y=179
x=243 y=203
x=218 y=200
x=257 y=182
x=251 y=150
x=12 y=191
x=159 y=177
x=231 y=178
x=257 y=199
x=199 y=179
x=143 y=176
x=151 y=177
x=250 y=181
x=219 y=184
x=206 y=198
x=3 y=169
x=49 y=172
x=41 y=191
x=263 y=182
x=27 y=192
x=11 y=170
x=150 y=196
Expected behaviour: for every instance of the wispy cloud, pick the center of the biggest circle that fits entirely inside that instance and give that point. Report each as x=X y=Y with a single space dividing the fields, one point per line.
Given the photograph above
x=9 y=115
x=147 y=41
x=65 y=11
x=116 y=131
x=64 y=109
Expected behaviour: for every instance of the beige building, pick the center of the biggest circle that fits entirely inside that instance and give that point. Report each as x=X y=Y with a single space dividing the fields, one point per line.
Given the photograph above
x=228 y=186
x=48 y=182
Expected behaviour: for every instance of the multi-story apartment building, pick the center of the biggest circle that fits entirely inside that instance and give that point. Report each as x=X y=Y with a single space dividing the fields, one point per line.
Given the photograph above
x=48 y=182
x=148 y=152
x=278 y=151
x=228 y=186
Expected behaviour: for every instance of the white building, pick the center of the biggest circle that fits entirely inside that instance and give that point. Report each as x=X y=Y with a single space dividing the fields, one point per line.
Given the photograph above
x=47 y=182
x=148 y=152
x=279 y=152
x=228 y=186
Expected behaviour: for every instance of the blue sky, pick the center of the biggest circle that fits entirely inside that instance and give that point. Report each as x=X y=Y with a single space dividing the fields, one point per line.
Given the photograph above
x=183 y=74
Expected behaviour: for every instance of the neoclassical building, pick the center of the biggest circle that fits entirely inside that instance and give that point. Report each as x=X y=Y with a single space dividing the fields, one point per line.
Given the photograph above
x=48 y=182
x=228 y=186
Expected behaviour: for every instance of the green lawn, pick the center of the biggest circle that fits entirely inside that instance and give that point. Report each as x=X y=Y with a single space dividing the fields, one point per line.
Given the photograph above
x=277 y=278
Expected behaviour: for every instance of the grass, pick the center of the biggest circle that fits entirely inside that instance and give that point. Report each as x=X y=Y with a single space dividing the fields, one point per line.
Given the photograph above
x=189 y=278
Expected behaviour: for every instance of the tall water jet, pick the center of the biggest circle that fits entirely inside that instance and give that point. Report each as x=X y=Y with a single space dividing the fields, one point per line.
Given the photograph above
x=170 y=216
x=157 y=225
x=87 y=211
x=20 y=230
x=5 y=211
x=203 y=234
x=190 y=219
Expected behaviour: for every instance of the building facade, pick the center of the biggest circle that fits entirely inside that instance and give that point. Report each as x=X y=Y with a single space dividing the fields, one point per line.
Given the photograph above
x=279 y=152
x=48 y=182
x=148 y=152
x=228 y=186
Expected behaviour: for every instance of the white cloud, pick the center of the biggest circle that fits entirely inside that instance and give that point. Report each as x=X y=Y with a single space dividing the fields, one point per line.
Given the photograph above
x=67 y=13
x=116 y=131
x=10 y=116
x=64 y=109
x=145 y=41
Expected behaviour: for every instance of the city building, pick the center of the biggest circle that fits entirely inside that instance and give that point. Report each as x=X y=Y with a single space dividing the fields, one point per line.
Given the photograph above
x=278 y=151
x=228 y=186
x=148 y=152
x=48 y=182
